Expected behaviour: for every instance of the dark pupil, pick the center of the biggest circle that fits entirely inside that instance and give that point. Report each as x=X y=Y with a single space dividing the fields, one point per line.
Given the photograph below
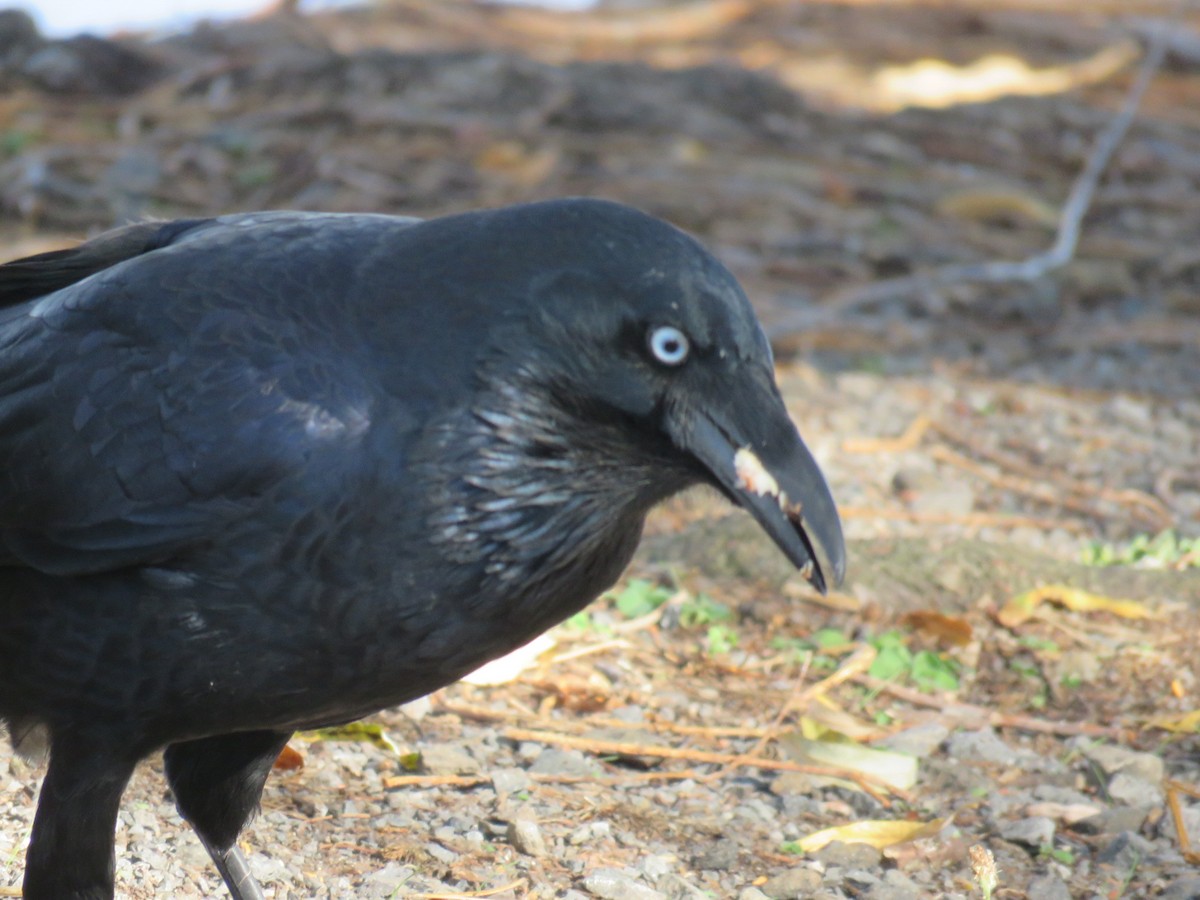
x=670 y=346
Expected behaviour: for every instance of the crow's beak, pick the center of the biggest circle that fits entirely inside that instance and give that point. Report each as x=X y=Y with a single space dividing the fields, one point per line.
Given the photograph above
x=758 y=459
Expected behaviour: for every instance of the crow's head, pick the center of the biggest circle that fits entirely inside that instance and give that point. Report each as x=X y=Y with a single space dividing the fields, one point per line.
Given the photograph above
x=626 y=321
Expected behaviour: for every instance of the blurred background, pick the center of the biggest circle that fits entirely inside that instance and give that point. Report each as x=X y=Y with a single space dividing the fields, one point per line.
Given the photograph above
x=832 y=153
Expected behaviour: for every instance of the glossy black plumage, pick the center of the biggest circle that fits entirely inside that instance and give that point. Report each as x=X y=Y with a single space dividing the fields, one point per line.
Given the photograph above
x=280 y=470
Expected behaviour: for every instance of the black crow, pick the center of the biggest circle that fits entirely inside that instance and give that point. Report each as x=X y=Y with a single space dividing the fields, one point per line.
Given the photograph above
x=279 y=470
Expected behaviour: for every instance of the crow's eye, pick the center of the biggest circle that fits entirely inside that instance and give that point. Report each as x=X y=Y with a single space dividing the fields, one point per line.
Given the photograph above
x=669 y=345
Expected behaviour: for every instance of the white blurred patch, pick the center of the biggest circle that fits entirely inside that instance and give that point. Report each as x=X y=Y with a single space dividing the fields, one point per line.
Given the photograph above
x=508 y=668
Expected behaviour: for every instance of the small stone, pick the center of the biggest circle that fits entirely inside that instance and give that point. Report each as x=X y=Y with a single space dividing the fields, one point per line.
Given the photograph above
x=589 y=832
x=1128 y=787
x=447 y=759
x=720 y=855
x=1113 y=759
x=1114 y=820
x=980 y=746
x=525 y=834
x=387 y=881
x=656 y=866
x=1125 y=851
x=792 y=884
x=1187 y=888
x=1048 y=887
x=848 y=856
x=553 y=761
x=1034 y=832
x=441 y=854
x=613 y=884
x=510 y=781
x=752 y=893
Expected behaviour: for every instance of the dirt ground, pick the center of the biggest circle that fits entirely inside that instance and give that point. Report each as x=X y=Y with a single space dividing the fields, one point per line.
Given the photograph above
x=984 y=440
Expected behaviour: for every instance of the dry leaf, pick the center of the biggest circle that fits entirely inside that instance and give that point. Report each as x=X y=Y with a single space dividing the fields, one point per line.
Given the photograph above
x=898 y=770
x=876 y=832
x=1019 y=609
x=953 y=630
x=1188 y=723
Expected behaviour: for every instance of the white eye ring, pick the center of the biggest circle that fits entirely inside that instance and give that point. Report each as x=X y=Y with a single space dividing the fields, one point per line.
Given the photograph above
x=669 y=345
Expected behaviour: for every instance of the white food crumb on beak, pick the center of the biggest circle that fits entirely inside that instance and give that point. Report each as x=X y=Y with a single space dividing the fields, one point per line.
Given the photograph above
x=754 y=477
x=752 y=474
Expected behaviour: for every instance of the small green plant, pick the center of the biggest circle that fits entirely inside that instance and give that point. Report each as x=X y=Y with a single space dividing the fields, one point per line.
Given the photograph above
x=1164 y=550
x=585 y=621
x=640 y=598
x=792 y=848
x=1058 y=854
x=721 y=639
x=927 y=670
x=703 y=610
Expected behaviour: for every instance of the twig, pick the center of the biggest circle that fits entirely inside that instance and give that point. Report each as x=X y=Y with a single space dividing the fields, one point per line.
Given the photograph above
x=483 y=714
x=866 y=782
x=1174 y=789
x=1039 y=265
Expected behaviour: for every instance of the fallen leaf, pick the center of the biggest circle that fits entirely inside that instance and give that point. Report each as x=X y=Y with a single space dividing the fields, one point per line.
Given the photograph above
x=365 y=732
x=1188 y=723
x=898 y=770
x=878 y=833
x=952 y=630
x=1019 y=609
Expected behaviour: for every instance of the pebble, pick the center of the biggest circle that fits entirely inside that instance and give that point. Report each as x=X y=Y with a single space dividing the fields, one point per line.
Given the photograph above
x=1114 y=820
x=447 y=759
x=794 y=883
x=440 y=853
x=614 y=884
x=1128 y=787
x=1034 y=832
x=1186 y=888
x=386 y=881
x=510 y=781
x=1125 y=851
x=981 y=746
x=720 y=855
x=553 y=761
x=1113 y=759
x=1048 y=887
x=525 y=834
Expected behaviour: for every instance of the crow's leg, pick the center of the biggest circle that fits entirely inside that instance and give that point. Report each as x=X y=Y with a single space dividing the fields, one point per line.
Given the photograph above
x=217 y=783
x=70 y=853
